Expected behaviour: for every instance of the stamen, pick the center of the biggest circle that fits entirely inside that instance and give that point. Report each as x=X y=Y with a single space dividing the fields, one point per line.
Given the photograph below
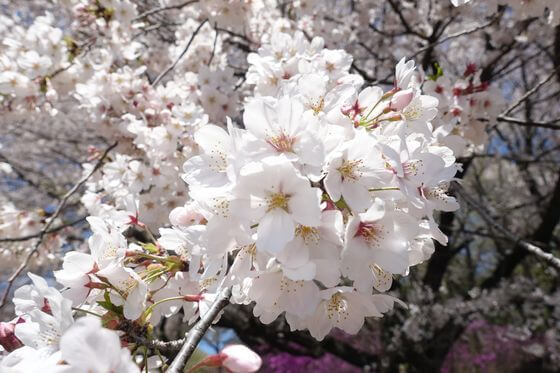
x=349 y=169
x=282 y=143
x=372 y=233
x=309 y=235
x=337 y=305
x=278 y=201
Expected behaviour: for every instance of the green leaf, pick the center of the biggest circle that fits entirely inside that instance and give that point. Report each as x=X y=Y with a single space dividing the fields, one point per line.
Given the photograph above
x=109 y=306
x=150 y=247
x=438 y=72
x=341 y=204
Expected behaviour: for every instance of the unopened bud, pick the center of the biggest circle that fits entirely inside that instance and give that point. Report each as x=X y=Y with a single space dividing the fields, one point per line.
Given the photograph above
x=240 y=359
x=390 y=93
x=395 y=118
x=193 y=298
x=8 y=338
x=96 y=285
x=401 y=99
x=470 y=70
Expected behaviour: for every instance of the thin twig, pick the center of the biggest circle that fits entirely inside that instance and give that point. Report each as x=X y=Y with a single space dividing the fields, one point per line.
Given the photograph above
x=168 y=348
x=22 y=173
x=53 y=230
x=172 y=66
x=455 y=35
x=48 y=224
x=194 y=335
x=549 y=258
x=215 y=43
x=551 y=125
x=164 y=8
x=404 y=22
x=529 y=93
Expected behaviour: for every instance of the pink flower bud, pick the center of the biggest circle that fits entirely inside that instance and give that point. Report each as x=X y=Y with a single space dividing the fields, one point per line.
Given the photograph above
x=8 y=338
x=240 y=359
x=470 y=70
x=182 y=216
x=401 y=99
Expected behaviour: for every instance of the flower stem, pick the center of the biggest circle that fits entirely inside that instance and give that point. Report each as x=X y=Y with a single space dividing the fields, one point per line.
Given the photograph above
x=383 y=189
x=86 y=311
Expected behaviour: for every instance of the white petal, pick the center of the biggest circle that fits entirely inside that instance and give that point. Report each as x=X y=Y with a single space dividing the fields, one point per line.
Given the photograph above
x=356 y=196
x=275 y=230
x=305 y=207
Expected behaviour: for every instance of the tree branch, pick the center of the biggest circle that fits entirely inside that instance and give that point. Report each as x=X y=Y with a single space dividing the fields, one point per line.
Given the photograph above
x=193 y=337
x=172 y=66
x=404 y=22
x=164 y=8
x=53 y=230
x=520 y=122
x=455 y=35
x=529 y=93
x=549 y=258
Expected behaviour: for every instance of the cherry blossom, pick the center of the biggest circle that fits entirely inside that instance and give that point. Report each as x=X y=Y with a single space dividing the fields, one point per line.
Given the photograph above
x=292 y=154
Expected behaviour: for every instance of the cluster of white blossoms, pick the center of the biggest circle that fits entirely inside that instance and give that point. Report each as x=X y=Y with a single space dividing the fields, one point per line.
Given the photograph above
x=33 y=64
x=44 y=334
x=522 y=9
x=309 y=206
x=325 y=195
x=39 y=65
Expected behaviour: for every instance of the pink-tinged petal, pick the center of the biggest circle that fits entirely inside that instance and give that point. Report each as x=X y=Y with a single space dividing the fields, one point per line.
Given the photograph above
x=401 y=99
x=240 y=359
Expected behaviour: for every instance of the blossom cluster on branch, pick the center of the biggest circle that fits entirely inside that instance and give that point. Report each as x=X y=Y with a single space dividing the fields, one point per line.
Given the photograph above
x=292 y=178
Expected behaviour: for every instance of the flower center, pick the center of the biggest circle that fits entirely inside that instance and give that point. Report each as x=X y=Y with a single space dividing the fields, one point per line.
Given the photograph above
x=413 y=111
x=278 y=201
x=412 y=168
x=308 y=234
x=436 y=192
x=337 y=304
x=349 y=169
x=127 y=286
x=318 y=106
x=372 y=233
x=282 y=143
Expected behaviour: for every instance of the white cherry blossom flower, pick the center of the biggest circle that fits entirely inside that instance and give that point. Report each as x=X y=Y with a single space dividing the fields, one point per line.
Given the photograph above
x=132 y=290
x=276 y=196
x=284 y=128
x=379 y=236
x=353 y=169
